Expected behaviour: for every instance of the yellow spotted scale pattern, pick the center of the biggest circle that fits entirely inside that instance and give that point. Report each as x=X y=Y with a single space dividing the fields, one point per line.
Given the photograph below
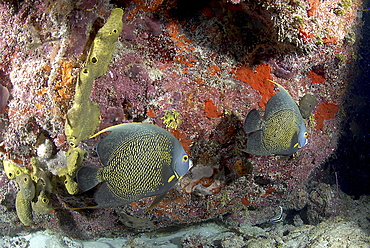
x=125 y=168
x=278 y=132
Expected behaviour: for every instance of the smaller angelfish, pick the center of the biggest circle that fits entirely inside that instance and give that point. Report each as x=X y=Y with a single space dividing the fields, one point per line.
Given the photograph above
x=281 y=132
x=140 y=160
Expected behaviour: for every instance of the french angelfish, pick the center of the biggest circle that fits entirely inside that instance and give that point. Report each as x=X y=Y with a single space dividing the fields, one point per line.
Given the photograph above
x=140 y=160
x=281 y=132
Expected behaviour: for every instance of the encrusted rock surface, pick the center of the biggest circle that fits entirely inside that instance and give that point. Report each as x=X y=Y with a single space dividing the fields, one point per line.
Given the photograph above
x=207 y=65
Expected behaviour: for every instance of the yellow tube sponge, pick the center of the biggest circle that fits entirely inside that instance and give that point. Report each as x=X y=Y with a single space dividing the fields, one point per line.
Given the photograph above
x=43 y=179
x=82 y=120
x=84 y=116
x=46 y=181
x=42 y=204
x=24 y=210
x=12 y=170
x=35 y=167
x=71 y=185
x=26 y=186
x=104 y=43
x=75 y=155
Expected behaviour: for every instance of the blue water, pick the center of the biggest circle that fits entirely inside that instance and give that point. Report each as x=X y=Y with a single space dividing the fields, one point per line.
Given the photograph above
x=350 y=166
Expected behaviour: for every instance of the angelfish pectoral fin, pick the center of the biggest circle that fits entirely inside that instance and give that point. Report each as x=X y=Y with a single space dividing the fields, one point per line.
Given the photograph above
x=170 y=178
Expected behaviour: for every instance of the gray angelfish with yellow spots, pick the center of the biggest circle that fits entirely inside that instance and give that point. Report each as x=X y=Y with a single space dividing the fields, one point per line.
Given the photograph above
x=281 y=132
x=140 y=160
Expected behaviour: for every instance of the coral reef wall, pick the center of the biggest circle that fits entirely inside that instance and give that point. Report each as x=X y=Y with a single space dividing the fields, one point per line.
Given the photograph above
x=195 y=68
x=350 y=161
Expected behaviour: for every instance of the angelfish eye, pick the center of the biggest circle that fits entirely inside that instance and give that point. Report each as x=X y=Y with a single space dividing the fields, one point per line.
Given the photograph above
x=185 y=158
x=305 y=134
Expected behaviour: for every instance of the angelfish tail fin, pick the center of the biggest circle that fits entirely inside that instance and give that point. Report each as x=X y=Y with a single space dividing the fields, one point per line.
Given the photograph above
x=86 y=177
x=252 y=122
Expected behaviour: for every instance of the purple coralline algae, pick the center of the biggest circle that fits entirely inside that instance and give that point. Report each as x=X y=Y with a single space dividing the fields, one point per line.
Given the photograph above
x=208 y=65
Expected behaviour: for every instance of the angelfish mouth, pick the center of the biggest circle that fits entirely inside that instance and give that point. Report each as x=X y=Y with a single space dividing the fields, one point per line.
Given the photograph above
x=299 y=146
x=305 y=143
x=190 y=164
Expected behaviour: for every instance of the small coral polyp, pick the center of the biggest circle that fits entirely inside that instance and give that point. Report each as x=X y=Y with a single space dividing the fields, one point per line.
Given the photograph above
x=171 y=118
